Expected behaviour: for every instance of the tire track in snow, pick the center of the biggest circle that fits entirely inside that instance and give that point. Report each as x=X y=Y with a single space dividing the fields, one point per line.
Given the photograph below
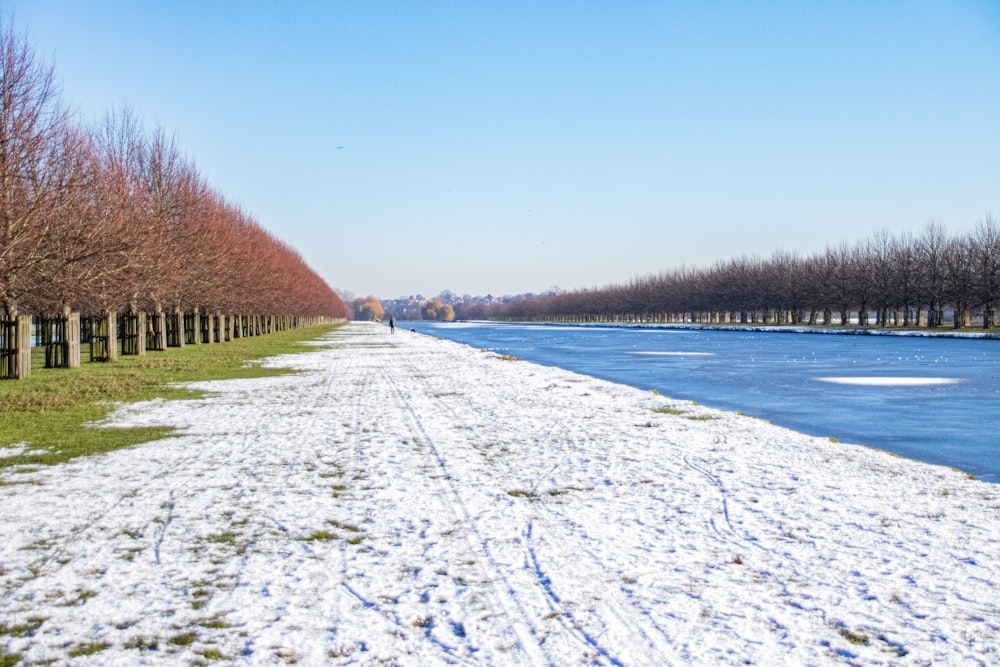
x=358 y=490
x=728 y=533
x=584 y=640
x=505 y=597
x=638 y=627
x=271 y=478
x=350 y=384
x=717 y=483
x=354 y=470
x=362 y=576
x=169 y=506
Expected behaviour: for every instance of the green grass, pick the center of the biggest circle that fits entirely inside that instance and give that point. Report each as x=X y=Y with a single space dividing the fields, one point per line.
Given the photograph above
x=320 y=536
x=86 y=649
x=50 y=410
x=212 y=654
x=23 y=629
x=184 y=639
x=80 y=598
x=344 y=526
x=669 y=411
x=858 y=638
x=227 y=537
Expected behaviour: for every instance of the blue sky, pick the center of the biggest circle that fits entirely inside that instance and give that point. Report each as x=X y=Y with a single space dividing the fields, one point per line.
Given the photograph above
x=506 y=147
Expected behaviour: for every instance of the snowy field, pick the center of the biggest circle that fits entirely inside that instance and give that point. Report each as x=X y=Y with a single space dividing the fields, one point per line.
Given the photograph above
x=407 y=500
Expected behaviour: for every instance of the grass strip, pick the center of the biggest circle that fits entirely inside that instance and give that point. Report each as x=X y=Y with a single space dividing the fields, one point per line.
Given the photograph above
x=48 y=413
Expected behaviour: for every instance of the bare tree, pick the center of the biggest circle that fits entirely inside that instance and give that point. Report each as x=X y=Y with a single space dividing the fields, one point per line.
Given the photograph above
x=930 y=248
x=32 y=121
x=986 y=241
x=129 y=276
x=906 y=277
x=960 y=263
x=76 y=244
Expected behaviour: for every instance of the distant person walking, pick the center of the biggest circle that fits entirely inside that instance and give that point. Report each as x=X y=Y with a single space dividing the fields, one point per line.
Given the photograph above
x=392 y=325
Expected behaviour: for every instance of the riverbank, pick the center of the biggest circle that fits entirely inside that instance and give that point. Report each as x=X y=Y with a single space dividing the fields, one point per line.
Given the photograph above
x=411 y=500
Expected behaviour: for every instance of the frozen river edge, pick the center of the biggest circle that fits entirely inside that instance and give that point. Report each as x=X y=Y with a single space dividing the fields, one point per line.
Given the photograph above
x=408 y=500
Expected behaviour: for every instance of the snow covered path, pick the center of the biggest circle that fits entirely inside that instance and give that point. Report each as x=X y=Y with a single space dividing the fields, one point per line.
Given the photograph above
x=407 y=500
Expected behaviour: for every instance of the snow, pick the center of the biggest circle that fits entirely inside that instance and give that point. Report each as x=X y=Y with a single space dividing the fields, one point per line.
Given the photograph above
x=15 y=449
x=407 y=500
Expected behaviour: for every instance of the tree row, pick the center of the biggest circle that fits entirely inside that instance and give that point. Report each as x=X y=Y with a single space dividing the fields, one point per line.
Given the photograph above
x=922 y=280
x=112 y=217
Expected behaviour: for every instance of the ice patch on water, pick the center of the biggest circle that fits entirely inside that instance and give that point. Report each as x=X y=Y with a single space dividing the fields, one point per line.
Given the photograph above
x=889 y=381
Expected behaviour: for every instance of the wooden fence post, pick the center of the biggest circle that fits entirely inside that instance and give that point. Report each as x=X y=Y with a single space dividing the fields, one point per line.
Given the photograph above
x=196 y=327
x=23 y=342
x=112 y=320
x=73 y=340
x=141 y=333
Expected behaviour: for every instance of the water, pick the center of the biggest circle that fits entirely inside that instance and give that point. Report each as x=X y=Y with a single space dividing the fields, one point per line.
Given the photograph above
x=932 y=399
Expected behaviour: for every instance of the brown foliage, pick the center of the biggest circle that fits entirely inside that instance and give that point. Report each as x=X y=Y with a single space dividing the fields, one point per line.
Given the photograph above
x=32 y=164
x=115 y=218
x=368 y=309
x=435 y=310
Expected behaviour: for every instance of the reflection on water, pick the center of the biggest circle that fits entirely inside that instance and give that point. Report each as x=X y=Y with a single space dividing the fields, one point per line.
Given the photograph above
x=934 y=399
